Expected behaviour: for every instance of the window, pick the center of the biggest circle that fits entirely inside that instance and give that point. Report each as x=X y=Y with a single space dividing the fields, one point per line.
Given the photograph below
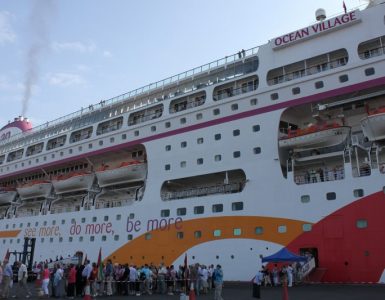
x=217 y=137
x=296 y=90
x=362 y=223
x=181 y=211
x=274 y=96
x=80 y=239
x=153 y=128
x=319 y=84
x=198 y=234
x=183 y=144
x=183 y=120
x=164 y=213
x=89 y=146
x=112 y=140
x=167 y=124
x=105 y=218
x=136 y=133
x=200 y=140
x=83 y=220
x=104 y=238
x=218 y=157
x=305 y=198
x=92 y=238
x=148 y=236
x=179 y=235
x=100 y=143
x=217 y=232
x=183 y=164
x=237 y=231
x=253 y=102
x=129 y=237
x=369 y=71
x=236 y=154
x=344 y=78
x=200 y=161
x=282 y=228
x=198 y=210
x=235 y=206
x=124 y=136
x=217 y=208
x=199 y=116
x=257 y=150
x=306 y=227
x=168 y=147
x=358 y=193
x=216 y=111
x=167 y=167
x=118 y=217
x=331 y=196
x=234 y=106
x=236 y=132
x=256 y=128
x=116 y=237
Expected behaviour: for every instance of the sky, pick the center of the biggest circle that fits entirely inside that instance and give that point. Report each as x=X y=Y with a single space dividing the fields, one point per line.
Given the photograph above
x=57 y=56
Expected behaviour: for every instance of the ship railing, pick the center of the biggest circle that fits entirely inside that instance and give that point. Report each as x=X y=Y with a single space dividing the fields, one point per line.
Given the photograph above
x=234 y=187
x=162 y=84
x=372 y=52
x=231 y=92
x=314 y=176
x=308 y=71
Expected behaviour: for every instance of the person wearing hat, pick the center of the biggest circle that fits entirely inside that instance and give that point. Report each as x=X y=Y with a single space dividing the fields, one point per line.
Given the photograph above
x=218 y=282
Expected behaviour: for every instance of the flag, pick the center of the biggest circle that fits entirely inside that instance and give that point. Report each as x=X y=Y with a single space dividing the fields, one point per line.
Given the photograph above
x=6 y=257
x=344 y=6
x=100 y=265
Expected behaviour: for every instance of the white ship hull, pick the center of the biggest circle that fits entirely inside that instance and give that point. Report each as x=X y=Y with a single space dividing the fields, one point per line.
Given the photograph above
x=212 y=127
x=81 y=182
x=374 y=127
x=316 y=140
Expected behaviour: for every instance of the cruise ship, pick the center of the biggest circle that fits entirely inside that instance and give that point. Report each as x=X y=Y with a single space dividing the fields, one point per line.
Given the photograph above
x=282 y=145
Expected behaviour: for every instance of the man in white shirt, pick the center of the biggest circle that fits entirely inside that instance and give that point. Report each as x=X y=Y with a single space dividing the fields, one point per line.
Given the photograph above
x=22 y=275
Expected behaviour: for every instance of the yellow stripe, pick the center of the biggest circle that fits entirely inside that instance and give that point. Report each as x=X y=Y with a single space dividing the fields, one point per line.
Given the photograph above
x=9 y=233
x=164 y=246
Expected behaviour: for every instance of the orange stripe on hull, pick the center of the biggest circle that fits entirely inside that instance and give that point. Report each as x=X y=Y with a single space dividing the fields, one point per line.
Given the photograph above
x=9 y=233
x=164 y=246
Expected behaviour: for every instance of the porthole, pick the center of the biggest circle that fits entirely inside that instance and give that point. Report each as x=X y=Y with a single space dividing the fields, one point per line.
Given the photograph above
x=305 y=198
x=282 y=229
x=296 y=90
x=369 y=71
x=306 y=227
x=358 y=193
x=274 y=96
x=331 y=196
x=253 y=102
x=362 y=223
x=234 y=106
x=319 y=84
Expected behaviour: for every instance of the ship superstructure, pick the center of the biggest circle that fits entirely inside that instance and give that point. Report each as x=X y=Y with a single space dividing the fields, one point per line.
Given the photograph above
x=279 y=145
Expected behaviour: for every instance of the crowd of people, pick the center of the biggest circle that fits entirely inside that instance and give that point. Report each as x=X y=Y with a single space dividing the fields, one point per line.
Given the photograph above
x=60 y=280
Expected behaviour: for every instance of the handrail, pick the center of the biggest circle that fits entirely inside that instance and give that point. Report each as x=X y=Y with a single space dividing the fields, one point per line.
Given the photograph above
x=139 y=91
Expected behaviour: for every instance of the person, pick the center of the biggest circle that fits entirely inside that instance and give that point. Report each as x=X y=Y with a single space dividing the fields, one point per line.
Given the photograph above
x=258 y=279
x=45 y=280
x=7 y=278
x=289 y=271
x=71 y=282
x=22 y=275
x=218 y=282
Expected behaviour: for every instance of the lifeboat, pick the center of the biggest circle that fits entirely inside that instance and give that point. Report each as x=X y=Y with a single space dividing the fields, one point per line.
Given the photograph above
x=35 y=189
x=373 y=125
x=7 y=195
x=73 y=182
x=126 y=172
x=315 y=137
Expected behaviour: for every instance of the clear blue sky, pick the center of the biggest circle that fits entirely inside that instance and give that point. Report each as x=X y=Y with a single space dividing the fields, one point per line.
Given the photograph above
x=88 y=50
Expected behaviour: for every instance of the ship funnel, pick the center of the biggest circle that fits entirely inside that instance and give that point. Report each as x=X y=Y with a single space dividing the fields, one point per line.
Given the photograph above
x=320 y=14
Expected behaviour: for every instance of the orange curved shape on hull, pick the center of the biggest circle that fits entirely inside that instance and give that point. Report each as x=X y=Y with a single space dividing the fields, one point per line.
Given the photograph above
x=164 y=245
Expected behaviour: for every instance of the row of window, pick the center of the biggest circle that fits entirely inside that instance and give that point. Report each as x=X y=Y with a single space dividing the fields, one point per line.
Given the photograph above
x=332 y=195
x=217 y=157
x=236 y=232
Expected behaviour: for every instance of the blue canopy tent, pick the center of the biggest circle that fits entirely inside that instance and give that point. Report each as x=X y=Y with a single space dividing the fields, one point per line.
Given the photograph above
x=283 y=255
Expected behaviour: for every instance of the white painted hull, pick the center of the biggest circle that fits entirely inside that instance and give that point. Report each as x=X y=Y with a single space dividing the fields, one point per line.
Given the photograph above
x=320 y=139
x=125 y=174
x=76 y=183
x=38 y=190
x=374 y=127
